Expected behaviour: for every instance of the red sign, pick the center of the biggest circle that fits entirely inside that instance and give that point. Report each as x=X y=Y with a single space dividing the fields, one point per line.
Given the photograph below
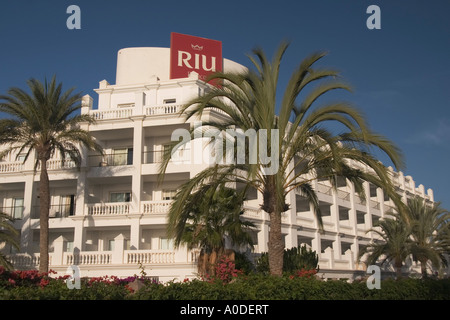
x=189 y=53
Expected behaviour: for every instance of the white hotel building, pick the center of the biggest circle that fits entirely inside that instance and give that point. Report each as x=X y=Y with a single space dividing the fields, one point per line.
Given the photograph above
x=110 y=215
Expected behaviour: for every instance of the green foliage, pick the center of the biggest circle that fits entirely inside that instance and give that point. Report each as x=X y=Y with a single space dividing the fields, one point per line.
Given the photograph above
x=8 y=235
x=294 y=259
x=243 y=263
x=30 y=285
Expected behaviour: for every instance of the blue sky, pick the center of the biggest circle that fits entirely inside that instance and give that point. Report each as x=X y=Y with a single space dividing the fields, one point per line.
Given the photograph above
x=399 y=73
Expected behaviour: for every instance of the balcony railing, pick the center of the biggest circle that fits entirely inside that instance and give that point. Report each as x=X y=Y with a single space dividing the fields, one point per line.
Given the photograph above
x=52 y=164
x=87 y=258
x=156 y=156
x=56 y=211
x=6 y=167
x=112 y=159
x=155 y=207
x=109 y=208
x=163 y=109
x=109 y=114
x=147 y=257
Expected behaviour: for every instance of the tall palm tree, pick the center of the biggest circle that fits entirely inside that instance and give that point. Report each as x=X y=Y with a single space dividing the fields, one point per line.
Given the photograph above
x=303 y=149
x=45 y=122
x=430 y=226
x=209 y=217
x=8 y=235
x=393 y=247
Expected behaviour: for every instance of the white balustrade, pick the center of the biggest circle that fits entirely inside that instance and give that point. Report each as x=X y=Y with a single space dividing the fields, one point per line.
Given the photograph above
x=109 y=114
x=87 y=258
x=6 y=167
x=24 y=260
x=58 y=164
x=145 y=257
x=109 y=208
x=163 y=109
x=155 y=207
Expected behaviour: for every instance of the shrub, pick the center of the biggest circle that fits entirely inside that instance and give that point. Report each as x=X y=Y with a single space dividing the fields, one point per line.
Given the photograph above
x=229 y=285
x=294 y=259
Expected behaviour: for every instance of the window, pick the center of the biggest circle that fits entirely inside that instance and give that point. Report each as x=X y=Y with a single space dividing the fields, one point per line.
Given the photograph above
x=166 y=244
x=168 y=101
x=17 y=208
x=69 y=246
x=120 y=197
x=122 y=156
x=168 y=194
x=21 y=157
x=67 y=205
x=110 y=245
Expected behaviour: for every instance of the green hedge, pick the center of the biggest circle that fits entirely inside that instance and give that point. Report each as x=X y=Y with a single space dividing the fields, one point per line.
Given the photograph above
x=284 y=288
x=254 y=287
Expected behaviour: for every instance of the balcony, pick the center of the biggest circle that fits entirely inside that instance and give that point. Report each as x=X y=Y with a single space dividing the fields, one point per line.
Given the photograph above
x=110 y=114
x=9 y=167
x=108 y=209
x=119 y=256
x=155 y=207
x=56 y=211
x=19 y=166
x=122 y=158
x=181 y=156
x=125 y=208
x=125 y=111
x=165 y=109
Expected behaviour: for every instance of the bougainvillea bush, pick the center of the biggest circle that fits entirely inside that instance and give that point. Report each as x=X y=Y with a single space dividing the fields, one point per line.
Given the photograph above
x=30 y=284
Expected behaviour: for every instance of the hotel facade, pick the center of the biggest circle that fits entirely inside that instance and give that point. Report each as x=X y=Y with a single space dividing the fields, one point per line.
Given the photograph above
x=109 y=216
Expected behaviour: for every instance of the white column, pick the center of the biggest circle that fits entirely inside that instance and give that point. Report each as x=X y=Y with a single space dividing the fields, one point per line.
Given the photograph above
x=138 y=142
x=79 y=236
x=58 y=253
x=26 y=235
x=315 y=243
x=138 y=103
x=352 y=211
x=135 y=234
x=291 y=237
x=119 y=246
x=81 y=193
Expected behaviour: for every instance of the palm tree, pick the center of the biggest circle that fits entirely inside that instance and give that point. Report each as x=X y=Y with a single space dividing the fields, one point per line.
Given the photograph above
x=430 y=226
x=394 y=245
x=7 y=235
x=303 y=149
x=44 y=122
x=206 y=219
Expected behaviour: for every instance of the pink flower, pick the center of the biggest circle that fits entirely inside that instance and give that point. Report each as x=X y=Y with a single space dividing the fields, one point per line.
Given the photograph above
x=44 y=282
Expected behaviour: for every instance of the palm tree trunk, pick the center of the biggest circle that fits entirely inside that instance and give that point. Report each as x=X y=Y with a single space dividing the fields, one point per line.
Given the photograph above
x=423 y=267
x=44 y=208
x=398 y=268
x=276 y=245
